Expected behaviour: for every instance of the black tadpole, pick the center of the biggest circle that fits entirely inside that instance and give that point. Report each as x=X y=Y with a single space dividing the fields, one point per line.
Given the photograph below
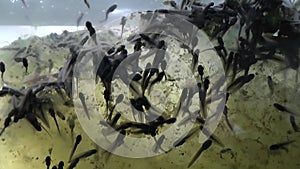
x=111 y=51
x=78 y=140
x=182 y=140
x=61 y=165
x=106 y=94
x=73 y=163
x=206 y=84
x=25 y=64
x=159 y=78
x=284 y=109
x=280 y=107
x=2 y=69
x=86 y=154
x=33 y=121
x=280 y=145
x=60 y=115
x=87 y=4
x=52 y=114
x=204 y=147
x=115 y=119
x=138 y=46
x=48 y=161
x=202 y=96
x=201 y=71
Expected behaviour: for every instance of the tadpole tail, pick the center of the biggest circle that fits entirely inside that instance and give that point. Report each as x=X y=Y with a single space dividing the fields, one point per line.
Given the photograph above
x=57 y=126
x=2 y=131
x=78 y=140
x=72 y=152
x=195 y=157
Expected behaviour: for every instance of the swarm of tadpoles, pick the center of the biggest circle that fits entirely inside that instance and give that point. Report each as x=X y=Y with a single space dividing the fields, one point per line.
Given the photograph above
x=28 y=104
x=73 y=161
x=256 y=20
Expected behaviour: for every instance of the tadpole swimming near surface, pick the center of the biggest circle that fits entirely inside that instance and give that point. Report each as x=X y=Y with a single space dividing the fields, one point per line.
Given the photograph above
x=122 y=23
x=79 y=18
x=110 y=10
x=158 y=143
x=91 y=30
x=87 y=4
x=82 y=99
x=117 y=143
x=24 y=3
